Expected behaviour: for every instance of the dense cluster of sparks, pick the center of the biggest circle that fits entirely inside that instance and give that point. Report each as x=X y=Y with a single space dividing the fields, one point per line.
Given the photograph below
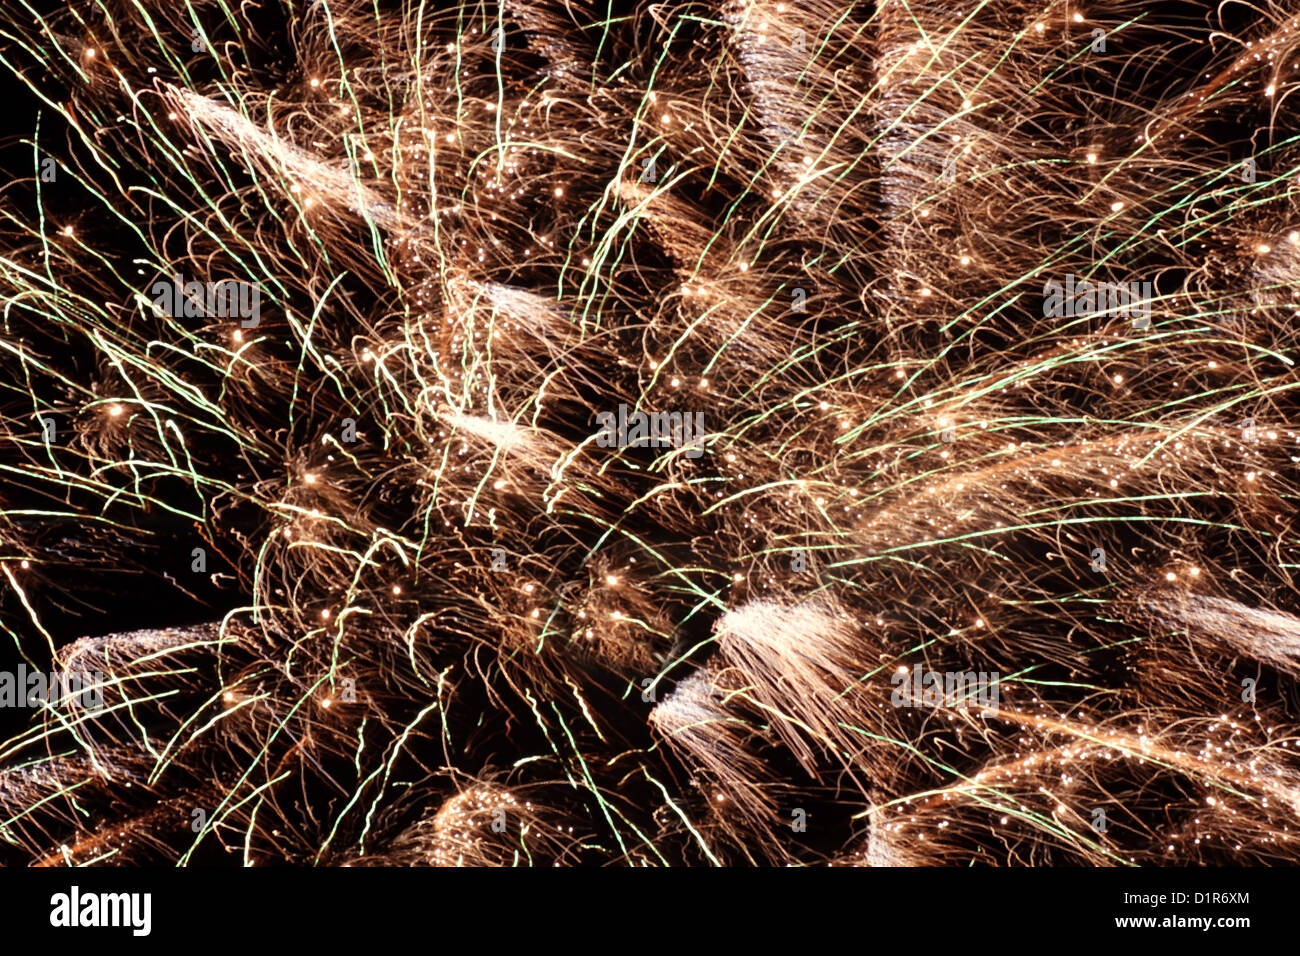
x=446 y=626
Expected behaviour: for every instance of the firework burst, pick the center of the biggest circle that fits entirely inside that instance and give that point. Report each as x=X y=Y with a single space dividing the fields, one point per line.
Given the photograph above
x=432 y=615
